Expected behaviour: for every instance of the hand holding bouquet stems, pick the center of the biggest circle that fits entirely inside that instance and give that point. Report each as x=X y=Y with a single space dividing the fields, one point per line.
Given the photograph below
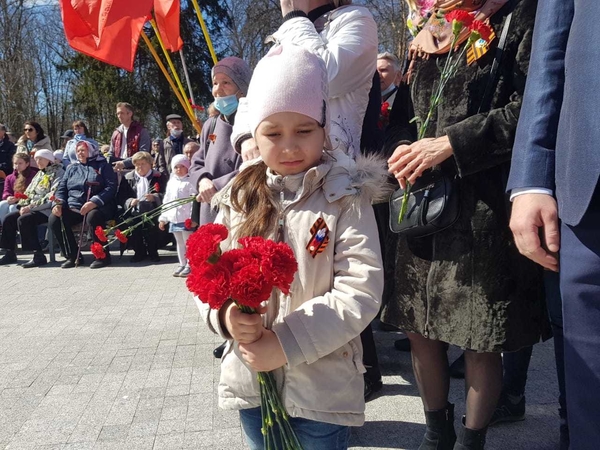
x=479 y=30
x=237 y=283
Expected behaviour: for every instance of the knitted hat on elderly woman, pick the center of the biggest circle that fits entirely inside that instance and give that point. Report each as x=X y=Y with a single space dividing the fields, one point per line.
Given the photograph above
x=289 y=79
x=235 y=68
x=44 y=153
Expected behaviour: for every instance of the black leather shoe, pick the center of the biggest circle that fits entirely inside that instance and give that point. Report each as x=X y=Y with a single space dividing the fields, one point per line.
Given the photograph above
x=70 y=263
x=154 y=258
x=99 y=263
x=371 y=387
x=402 y=345
x=138 y=258
x=218 y=352
x=10 y=257
x=39 y=259
x=457 y=368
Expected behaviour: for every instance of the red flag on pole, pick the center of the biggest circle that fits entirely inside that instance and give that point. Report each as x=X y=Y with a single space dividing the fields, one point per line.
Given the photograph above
x=166 y=13
x=108 y=30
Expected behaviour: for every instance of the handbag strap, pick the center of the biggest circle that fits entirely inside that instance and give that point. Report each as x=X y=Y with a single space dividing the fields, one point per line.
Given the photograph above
x=487 y=96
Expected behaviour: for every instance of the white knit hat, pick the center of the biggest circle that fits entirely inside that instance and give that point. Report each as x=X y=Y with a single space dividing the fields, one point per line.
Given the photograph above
x=289 y=79
x=180 y=160
x=44 y=153
x=58 y=155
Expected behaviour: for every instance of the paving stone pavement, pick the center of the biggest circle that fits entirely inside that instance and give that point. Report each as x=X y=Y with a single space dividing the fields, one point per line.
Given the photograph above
x=117 y=358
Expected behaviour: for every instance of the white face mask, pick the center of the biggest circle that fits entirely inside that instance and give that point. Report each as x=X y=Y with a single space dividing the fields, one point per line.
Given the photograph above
x=176 y=133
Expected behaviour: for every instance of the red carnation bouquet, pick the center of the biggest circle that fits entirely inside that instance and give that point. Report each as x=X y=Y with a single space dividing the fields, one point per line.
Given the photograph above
x=479 y=31
x=247 y=276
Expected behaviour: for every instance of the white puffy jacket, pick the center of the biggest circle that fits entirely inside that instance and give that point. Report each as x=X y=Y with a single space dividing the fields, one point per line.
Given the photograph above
x=178 y=188
x=334 y=296
x=348 y=45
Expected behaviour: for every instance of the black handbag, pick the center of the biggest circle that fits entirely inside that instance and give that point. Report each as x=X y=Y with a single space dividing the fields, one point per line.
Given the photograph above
x=433 y=200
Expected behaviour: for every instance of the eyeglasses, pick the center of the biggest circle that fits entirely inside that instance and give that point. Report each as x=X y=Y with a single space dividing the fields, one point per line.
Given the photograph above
x=28 y=129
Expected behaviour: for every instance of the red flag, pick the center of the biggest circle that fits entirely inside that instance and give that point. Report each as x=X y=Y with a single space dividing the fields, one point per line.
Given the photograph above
x=108 y=30
x=166 y=13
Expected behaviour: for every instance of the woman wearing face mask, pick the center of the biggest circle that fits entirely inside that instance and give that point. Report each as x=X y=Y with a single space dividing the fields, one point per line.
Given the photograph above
x=217 y=162
x=33 y=139
x=81 y=133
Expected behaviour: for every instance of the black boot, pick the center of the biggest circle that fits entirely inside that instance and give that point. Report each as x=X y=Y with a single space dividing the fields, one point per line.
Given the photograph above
x=470 y=439
x=10 y=257
x=39 y=259
x=99 y=263
x=439 y=434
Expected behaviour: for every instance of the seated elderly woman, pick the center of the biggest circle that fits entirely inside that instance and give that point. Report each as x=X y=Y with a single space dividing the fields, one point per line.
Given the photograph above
x=16 y=183
x=32 y=211
x=85 y=194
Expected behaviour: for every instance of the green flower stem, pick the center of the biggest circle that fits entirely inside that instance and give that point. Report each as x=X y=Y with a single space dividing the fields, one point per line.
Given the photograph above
x=450 y=67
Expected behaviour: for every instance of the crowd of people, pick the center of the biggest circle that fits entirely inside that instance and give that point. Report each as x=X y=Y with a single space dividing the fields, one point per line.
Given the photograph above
x=306 y=149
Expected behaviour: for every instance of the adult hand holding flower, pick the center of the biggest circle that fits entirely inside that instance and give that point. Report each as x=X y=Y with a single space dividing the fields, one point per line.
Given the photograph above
x=57 y=210
x=408 y=162
x=206 y=190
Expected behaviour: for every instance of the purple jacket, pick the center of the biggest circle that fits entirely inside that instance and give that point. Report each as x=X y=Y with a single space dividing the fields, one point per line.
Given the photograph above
x=9 y=182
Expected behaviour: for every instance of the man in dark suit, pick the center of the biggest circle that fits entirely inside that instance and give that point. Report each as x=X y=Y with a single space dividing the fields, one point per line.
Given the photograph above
x=556 y=156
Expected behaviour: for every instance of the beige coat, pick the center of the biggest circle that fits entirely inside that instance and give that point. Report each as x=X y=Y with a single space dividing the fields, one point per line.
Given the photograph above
x=333 y=297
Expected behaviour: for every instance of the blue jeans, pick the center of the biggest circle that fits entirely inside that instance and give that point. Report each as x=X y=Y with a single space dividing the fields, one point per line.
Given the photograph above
x=311 y=434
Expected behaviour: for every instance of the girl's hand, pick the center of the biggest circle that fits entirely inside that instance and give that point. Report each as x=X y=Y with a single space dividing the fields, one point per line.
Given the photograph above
x=206 y=190
x=87 y=207
x=264 y=355
x=24 y=210
x=11 y=200
x=409 y=161
x=162 y=225
x=244 y=328
x=57 y=210
x=149 y=197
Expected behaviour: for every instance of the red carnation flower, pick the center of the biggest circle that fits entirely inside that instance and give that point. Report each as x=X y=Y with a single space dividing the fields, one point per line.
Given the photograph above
x=236 y=259
x=100 y=234
x=482 y=29
x=385 y=109
x=279 y=265
x=98 y=250
x=120 y=236
x=188 y=224
x=156 y=187
x=249 y=287
x=211 y=284
x=20 y=196
x=462 y=19
x=204 y=243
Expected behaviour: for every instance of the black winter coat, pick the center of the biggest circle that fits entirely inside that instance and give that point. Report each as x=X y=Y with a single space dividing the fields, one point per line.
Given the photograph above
x=7 y=150
x=468 y=285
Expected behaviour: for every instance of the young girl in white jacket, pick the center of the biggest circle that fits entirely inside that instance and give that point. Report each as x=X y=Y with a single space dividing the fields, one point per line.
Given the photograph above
x=319 y=202
x=179 y=186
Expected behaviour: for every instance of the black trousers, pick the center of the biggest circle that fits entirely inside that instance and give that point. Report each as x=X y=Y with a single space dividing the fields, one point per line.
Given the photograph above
x=27 y=225
x=65 y=237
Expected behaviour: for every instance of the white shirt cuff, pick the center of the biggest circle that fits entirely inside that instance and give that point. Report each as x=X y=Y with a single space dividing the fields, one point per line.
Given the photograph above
x=529 y=190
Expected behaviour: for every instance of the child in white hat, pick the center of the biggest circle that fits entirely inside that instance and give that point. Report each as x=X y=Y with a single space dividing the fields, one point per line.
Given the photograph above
x=179 y=186
x=318 y=202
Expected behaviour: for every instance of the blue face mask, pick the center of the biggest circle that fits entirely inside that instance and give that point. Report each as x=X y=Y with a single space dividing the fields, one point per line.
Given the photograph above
x=226 y=105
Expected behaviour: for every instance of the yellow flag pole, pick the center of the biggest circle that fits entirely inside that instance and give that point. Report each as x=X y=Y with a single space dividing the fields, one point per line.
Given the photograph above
x=205 y=31
x=172 y=66
x=183 y=101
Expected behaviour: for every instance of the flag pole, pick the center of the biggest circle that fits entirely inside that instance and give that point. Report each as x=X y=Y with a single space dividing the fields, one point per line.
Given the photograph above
x=187 y=76
x=172 y=66
x=205 y=31
x=183 y=102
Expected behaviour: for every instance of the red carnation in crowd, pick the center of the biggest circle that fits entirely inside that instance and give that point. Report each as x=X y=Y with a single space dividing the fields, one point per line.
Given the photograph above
x=279 y=265
x=385 y=109
x=120 y=236
x=156 y=187
x=99 y=232
x=188 y=224
x=462 y=19
x=98 y=250
x=204 y=243
x=211 y=284
x=234 y=260
x=249 y=287
x=482 y=29
x=20 y=196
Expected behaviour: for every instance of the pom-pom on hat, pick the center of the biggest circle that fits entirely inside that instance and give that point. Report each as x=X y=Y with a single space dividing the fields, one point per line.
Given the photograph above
x=289 y=79
x=235 y=68
x=180 y=160
x=44 y=153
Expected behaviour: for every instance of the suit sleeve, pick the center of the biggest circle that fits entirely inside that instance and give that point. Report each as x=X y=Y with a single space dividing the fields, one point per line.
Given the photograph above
x=535 y=142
